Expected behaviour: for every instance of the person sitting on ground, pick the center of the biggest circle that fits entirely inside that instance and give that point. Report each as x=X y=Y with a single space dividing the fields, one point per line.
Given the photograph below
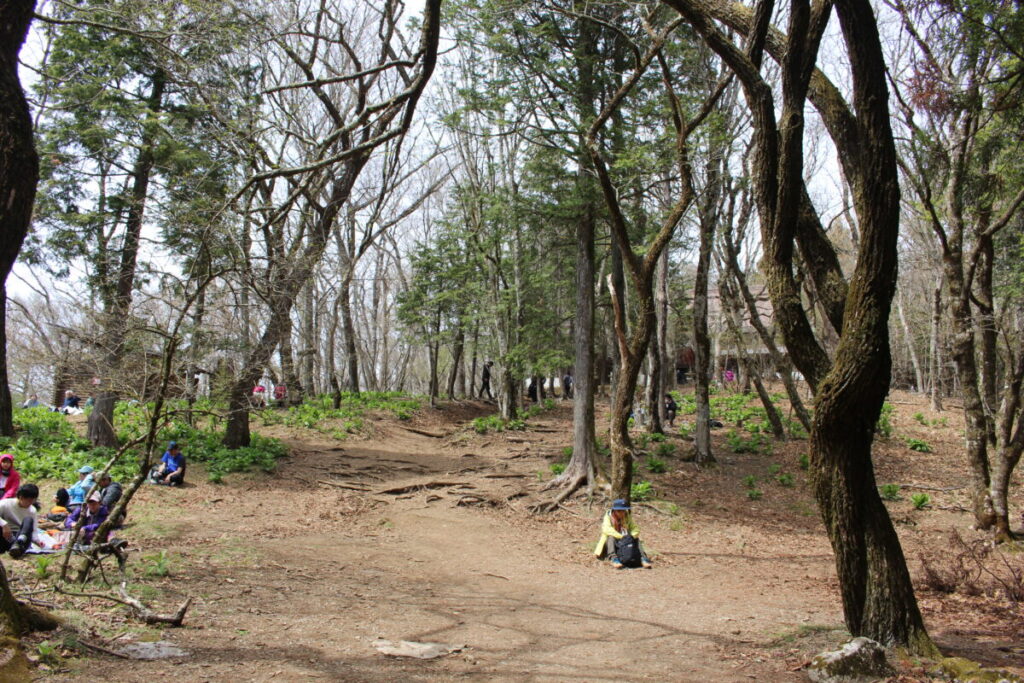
x=77 y=491
x=10 y=480
x=92 y=514
x=90 y=401
x=671 y=408
x=59 y=511
x=617 y=523
x=31 y=402
x=171 y=470
x=71 y=403
x=18 y=520
x=110 y=492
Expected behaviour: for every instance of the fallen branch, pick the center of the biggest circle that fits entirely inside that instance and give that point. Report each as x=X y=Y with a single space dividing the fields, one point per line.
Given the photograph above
x=423 y=432
x=506 y=476
x=98 y=648
x=418 y=487
x=352 y=486
x=946 y=489
x=151 y=617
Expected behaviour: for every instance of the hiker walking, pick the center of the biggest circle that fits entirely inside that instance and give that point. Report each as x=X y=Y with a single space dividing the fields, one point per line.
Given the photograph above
x=485 y=380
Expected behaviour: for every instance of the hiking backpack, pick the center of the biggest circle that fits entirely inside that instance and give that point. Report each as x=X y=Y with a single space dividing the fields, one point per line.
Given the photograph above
x=627 y=549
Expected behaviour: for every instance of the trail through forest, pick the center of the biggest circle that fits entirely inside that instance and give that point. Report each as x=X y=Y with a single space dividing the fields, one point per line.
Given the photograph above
x=420 y=532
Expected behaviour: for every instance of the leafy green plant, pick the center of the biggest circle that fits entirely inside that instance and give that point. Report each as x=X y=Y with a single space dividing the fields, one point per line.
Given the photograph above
x=750 y=481
x=491 y=423
x=676 y=525
x=804 y=461
x=665 y=449
x=774 y=468
x=756 y=443
x=642 y=439
x=884 y=425
x=920 y=500
x=567 y=452
x=656 y=465
x=685 y=430
x=48 y=653
x=516 y=425
x=919 y=445
x=754 y=494
x=673 y=509
x=557 y=468
x=549 y=404
x=642 y=490
x=785 y=479
x=159 y=564
x=889 y=491
x=43 y=566
x=656 y=437
x=920 y=418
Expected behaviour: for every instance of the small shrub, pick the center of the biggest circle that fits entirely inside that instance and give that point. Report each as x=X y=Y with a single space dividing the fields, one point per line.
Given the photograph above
x=890 y=491
x=750 y=481
x=549 y=404
x=557 y=468
x=656 y=437
x=920 y=500
x=920 y=418
x=642 y=439
x=656 y=465
x=919 y=446
x=774 y=468
x=642 y=490
x=516 y=425
x=785 y=479
x=685 y=430
x=673 y=509
x=884 y=424
x=43 y=566
x=804 y=461
x=567 y=452
x=160 y=565
x=754 y=494
x=665 y=449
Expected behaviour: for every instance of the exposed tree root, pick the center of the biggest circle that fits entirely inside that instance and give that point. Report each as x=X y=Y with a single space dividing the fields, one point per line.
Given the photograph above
x=569 y=488
x=344 y=485
x=418 y=487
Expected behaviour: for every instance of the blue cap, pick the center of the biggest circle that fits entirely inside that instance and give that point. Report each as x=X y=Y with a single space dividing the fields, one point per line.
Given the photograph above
x=620 y=504
x=85 y=469
x=172 y=445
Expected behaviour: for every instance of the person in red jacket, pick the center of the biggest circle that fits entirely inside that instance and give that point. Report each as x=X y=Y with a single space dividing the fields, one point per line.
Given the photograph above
x=10 y=480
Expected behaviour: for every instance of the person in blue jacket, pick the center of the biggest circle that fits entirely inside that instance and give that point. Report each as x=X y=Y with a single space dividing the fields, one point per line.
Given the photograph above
x=171 y=470
x=93 y=514
x=77 y=491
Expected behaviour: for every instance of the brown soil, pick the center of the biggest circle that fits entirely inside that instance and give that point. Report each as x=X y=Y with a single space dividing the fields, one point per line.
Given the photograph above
x=294 y=577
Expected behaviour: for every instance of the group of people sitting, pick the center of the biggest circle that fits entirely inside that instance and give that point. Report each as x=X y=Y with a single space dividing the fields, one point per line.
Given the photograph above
x=72 y=404
x=23 y=526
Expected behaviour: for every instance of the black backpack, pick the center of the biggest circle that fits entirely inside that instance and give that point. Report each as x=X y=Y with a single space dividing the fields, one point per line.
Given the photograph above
x=627 y=549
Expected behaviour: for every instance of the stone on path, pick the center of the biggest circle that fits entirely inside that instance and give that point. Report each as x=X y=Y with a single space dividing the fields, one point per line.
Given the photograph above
x=860 y=660
x=408 y=648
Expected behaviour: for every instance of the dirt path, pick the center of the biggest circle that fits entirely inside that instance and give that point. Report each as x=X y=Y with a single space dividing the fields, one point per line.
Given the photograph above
x=294 y=578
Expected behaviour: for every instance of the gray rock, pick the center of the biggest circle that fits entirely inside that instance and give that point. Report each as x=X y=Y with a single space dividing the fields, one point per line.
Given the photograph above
x=161 y=649
x=859 y=661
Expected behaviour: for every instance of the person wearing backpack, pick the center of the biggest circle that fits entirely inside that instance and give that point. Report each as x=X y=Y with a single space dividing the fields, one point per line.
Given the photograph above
x=620 y=538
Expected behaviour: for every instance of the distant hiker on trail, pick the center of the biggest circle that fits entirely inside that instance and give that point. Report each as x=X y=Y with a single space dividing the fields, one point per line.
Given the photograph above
x=620 y=538
x=10 y=480
x=567 y=385
x=18 y=520
x=171 y=470
x=81 y=487
x=671 y=408
x=531 y=390
x=485 y=380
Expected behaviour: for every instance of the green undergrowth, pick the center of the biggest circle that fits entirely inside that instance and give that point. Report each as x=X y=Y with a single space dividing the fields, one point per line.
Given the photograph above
x=495 y=423
x=742 y=412
x=319 y=413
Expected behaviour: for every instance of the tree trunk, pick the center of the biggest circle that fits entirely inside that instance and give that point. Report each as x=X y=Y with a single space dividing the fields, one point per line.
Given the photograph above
x=654 y=388
x=460 y=342
x=702 y=342
x=935 y=364
x=290 y=376
x=19 y=172
x=349 y=331
x=911 y=348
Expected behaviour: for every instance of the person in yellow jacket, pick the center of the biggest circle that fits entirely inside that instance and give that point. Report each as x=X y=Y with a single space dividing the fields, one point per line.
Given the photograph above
x=617 y=522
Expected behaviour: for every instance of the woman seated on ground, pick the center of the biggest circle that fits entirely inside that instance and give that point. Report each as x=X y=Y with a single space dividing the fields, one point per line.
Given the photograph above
x=59 y=511
x=616 y=524
x=93 y=514
x=77 y=491
x=10 y=480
